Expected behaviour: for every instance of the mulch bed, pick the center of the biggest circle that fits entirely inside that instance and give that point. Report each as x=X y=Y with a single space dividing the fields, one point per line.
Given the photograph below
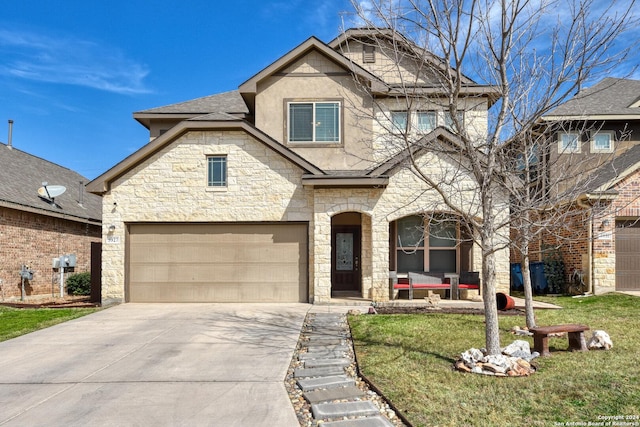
x=66 y=302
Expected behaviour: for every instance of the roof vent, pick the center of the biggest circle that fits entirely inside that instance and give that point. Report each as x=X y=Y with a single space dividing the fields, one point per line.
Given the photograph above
x=9 y=143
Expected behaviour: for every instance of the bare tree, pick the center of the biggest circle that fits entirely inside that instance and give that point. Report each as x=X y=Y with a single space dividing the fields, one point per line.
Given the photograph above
x=490 y=70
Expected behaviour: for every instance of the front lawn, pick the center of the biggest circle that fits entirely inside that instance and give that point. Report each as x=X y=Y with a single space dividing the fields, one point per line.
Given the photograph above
x=409 y=357
x=18 y=321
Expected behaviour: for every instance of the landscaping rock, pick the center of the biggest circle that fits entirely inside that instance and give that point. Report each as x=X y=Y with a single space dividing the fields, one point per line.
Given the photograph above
x=600 y=339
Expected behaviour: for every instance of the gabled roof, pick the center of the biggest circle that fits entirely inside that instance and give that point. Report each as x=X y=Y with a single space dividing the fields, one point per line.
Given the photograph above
x=227 y=102
x=399 y=41
x=609 y=99
x=248 y=89
x=22 y=174
x=608 y=175
x=215 y=121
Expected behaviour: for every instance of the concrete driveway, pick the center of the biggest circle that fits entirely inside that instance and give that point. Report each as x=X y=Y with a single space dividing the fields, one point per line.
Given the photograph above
x=155 y=365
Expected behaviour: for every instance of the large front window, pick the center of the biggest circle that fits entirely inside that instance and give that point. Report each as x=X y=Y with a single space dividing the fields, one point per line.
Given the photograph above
x=427 y=244
x=314 y=121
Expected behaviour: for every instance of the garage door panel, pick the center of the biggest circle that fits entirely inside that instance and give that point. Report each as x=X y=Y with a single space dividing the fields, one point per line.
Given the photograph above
x=627 y=259
x=218 y=263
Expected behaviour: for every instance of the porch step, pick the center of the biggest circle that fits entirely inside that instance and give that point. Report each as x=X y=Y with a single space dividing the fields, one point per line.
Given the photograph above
x=339 y=393
x=309 y=384
x=343 y=409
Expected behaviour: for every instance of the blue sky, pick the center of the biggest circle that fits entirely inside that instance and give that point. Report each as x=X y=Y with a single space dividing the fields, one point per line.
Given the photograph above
x=73 y=72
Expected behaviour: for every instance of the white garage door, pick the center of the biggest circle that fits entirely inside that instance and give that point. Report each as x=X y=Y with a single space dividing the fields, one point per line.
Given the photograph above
x=627 y=255
x=217 y=262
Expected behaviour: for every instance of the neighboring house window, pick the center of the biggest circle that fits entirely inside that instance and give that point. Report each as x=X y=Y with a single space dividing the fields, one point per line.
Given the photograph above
x=449 y=122
x=368 y=53
x=569 y=142
x=426 y=121
x=399 y=120
x=314 y=122
x=217 y=171
x=426 y=247
x=602 y=142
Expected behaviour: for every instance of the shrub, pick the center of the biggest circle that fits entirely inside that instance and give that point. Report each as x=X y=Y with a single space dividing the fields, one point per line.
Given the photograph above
x=79 y=284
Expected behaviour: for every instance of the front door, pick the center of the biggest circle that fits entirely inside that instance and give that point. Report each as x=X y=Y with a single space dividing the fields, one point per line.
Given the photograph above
x=345 y=258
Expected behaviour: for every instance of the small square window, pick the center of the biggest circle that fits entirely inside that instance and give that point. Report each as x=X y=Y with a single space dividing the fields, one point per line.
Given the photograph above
x=569 y=142
x=399 y=120
x=426 y=121
x=217 y=171
x=450 y=124
x=602 y=142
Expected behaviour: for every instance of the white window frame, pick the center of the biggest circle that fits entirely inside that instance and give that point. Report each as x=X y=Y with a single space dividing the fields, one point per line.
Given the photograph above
x=564 y=149
x=221 y=184
x=314 y=140
x=431 y=113
x=398 y=127
x=595 y=149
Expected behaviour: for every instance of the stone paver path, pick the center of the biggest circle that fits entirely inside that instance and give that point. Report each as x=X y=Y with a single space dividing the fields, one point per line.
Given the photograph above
x=329 y=389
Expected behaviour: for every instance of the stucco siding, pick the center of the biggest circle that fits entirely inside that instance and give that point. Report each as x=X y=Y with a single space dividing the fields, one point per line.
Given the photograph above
x=311 y=73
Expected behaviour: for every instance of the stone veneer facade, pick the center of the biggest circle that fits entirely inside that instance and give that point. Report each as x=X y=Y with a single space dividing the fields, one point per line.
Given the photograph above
x=263 y=186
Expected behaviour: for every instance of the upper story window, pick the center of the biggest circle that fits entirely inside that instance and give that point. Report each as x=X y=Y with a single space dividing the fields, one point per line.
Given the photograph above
x=602 y=142
x=314 y=121
x=217 y=171
x=399 y=120
x=569 y=142
x=449 y=123
x=422 y=121
x=426 y=121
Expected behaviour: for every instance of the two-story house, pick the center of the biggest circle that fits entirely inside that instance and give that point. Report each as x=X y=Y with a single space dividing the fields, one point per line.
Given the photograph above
x=594 y=157
x=287 y=189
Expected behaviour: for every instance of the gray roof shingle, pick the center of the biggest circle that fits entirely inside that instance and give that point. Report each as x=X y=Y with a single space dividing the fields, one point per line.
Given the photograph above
x=21 y=174
x=610 y=96
x=609 y=172
x=226 y=102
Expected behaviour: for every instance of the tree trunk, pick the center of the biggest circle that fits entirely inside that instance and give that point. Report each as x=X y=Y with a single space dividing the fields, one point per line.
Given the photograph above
x=492 y=330
x=528 y=291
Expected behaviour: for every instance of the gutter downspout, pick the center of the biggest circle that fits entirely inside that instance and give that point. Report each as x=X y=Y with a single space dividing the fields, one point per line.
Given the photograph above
x=581 y=202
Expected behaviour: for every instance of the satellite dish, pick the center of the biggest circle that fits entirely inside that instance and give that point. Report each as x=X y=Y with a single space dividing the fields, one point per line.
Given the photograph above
x=51 y=191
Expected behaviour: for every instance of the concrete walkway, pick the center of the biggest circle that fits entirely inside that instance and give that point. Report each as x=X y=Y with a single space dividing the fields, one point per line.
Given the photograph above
x=155 y=364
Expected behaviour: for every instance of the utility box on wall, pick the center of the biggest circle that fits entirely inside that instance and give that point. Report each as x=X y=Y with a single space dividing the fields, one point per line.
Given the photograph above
x=67 y=261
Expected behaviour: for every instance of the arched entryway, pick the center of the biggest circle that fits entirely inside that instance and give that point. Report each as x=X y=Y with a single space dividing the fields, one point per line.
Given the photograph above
x=346 y=254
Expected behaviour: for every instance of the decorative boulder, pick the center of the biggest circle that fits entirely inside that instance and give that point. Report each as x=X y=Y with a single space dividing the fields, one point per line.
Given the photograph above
x=600 y=339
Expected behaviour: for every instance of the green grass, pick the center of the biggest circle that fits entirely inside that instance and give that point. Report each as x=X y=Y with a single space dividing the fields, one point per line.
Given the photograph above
x=15 y=321
x=409 y=358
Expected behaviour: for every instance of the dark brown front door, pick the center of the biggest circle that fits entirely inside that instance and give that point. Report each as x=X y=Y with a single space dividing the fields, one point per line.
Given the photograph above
x=345 y=258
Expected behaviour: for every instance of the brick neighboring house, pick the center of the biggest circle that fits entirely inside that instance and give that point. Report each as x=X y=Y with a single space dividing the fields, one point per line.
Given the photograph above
x=599 y=130
x=288 y=190
x=34 y=231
